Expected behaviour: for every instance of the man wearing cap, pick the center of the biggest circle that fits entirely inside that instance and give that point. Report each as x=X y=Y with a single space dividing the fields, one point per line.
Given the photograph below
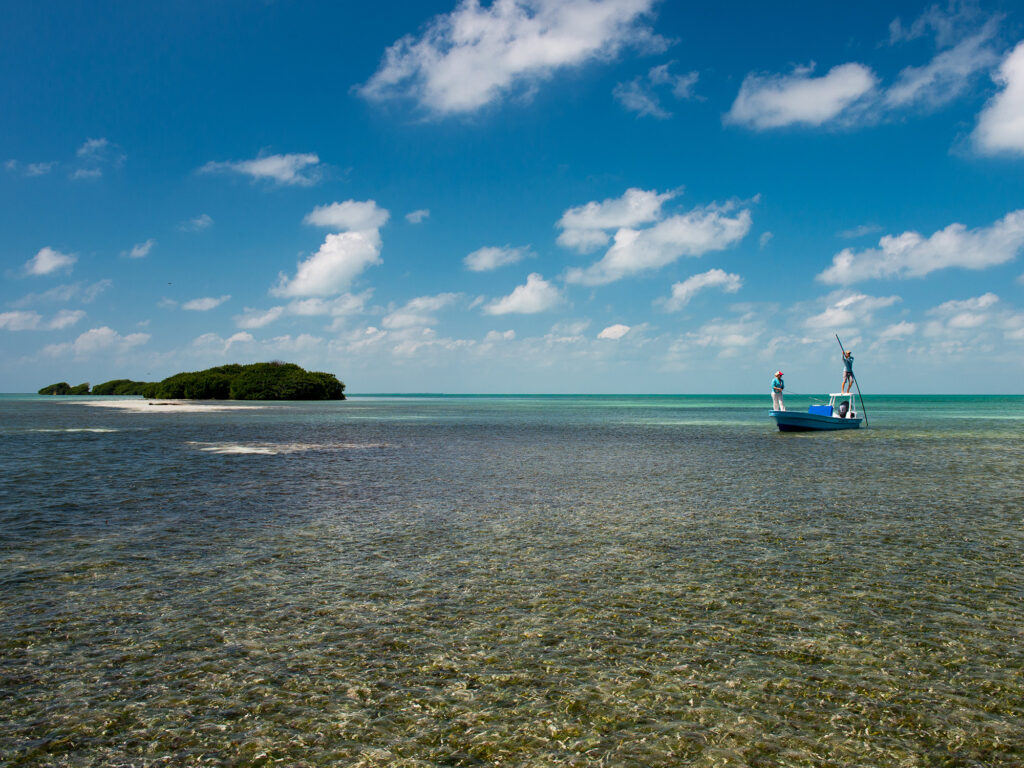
x=777 y=387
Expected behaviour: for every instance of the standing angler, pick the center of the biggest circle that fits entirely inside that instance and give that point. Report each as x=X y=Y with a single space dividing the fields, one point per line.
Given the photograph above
x=847 y=372
x=777 y=387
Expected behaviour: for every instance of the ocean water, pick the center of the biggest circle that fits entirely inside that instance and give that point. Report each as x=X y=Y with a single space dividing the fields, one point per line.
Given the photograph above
x=515 y=581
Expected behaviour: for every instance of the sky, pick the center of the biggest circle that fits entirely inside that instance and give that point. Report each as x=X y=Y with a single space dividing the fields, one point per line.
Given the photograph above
x=517 y=196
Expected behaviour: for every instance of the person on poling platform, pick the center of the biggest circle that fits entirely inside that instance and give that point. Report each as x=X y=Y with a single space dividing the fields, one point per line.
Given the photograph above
x=847 y=372
x=777 y=387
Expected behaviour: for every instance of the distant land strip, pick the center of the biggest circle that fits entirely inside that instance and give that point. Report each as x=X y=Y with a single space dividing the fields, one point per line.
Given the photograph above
x=257 y=381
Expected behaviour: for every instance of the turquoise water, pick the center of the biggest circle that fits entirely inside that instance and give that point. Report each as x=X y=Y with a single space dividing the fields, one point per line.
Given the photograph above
x=635 y=581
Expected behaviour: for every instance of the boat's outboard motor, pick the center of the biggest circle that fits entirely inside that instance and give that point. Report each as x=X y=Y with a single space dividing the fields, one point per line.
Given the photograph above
x=843 y=408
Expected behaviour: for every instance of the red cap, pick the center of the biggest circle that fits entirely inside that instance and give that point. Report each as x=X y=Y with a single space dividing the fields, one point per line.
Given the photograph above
x=778 y=373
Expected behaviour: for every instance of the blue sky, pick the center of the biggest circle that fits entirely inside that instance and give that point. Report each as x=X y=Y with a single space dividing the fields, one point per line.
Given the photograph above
x=517 y=196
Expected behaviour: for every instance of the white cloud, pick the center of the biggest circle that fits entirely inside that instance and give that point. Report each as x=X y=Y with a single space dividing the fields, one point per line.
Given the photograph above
x=537 y=295
x=859 y=231
x=614 y=332
x=140 y=250
x=65 y=318
x=493 y=337
x=343 y=256
x=897 y=331
x=912 y=255
x=352 y=214
x=583 y=227
x=691 y=286
x=64 y=293
x=477 y=54
x=346 y=304
x=1001 y=123
x=764 y=239
x=258 y=318
x=701 y=230
x=285 y=170
x=340 y=260
x=773 y=101
x=640 y=94
x=95 y=155
x=847 y=310
x=206 y=303
x=92 y=148
x=961 y=315
x=30 y=169
x=198 y=224
x=49 y=260
x=20 y=320
x=946 y=76
x=97 y=340
x=486 y=259
x=418 y=312
x=945 y=25
x=415 y=217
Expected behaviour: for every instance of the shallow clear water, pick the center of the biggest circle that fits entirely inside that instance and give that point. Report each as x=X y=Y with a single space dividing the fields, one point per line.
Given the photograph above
x=637 y=581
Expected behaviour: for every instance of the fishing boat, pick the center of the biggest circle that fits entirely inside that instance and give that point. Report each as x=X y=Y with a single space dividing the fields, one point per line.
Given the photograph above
x=840 y=413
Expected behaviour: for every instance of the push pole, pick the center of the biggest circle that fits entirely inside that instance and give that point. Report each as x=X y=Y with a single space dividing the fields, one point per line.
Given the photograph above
x=859 y=395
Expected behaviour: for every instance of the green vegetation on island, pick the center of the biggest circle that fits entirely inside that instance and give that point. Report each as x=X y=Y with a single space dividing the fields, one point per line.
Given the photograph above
x=257 y=381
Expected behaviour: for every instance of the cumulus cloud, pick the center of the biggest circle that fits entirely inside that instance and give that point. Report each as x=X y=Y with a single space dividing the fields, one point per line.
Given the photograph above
x=699 y=231
x=493 y=337
x=537 y=295
x=897 y=331
x=351 y=214
x=614 y=332
x=642 y=94
x=140 y=250
x=285 y=170
x=912 y=255
x=691 y=286
x=486 y=259
x=415 y=217
x=1001 y=123
x=772 y=101
x=584 y=228
x=764 y=239
x=65 y=318
x=418 y=312
x=846 y=310
x=21 y=320
x=343 y=256
x=205 y=304
x=212 y=342
x=346 y=304
x=198 y=224
x=964 y=313
x=49 y=260
x=97 y=340
x=475 y=55
x=258 y=318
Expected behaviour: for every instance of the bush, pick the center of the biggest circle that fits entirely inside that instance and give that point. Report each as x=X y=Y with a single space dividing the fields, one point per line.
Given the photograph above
x=62 y=388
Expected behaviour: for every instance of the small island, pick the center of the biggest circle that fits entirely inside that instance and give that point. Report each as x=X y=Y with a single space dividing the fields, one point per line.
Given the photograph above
x=257 y=381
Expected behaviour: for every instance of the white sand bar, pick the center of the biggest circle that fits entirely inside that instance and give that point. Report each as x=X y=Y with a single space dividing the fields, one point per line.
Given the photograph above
x=169 y=406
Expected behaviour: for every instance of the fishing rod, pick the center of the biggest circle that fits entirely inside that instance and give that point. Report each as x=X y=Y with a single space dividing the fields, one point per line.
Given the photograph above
x=859 y=395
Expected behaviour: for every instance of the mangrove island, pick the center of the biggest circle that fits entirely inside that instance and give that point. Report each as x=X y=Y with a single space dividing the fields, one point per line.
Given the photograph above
x=257 y=381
